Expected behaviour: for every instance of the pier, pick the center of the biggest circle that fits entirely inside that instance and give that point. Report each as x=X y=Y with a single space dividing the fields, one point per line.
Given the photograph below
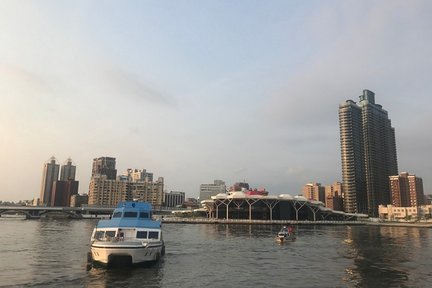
x=199 y=220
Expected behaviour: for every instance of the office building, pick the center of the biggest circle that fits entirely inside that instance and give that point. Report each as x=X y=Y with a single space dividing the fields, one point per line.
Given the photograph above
x=174 y=198
x=49 y=175
x=151 y=192
x=406 y=190
x=139 y=175
x=62 y=192
x=334 y=196
x=104 y=192
x=208 y=190
x=314 y=191
x=368 y=154
x=78 y=200
x=134 y=184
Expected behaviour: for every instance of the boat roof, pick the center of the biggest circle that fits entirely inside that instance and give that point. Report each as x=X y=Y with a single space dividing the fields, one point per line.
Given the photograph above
x=128 y=222
x=141 y=206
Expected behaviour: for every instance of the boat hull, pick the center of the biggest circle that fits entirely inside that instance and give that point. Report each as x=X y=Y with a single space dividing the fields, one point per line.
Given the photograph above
x=282 y=239
x=126 y=253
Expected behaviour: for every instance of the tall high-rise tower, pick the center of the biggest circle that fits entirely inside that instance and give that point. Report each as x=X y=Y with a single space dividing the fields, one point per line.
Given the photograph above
x=67 y=171
x=105 y=166
x=64 y=188
x=50 y=174
x=368 y=153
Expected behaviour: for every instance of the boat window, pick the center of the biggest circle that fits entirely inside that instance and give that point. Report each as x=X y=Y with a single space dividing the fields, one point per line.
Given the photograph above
x=144 y=215
x=153 y=235
x=110 y=233
x=141 y=234
x=99 y=234
x=117 y=214
x=130 y=214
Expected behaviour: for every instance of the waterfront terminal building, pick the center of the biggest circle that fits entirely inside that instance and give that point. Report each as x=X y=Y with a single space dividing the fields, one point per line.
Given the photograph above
x=252 y=206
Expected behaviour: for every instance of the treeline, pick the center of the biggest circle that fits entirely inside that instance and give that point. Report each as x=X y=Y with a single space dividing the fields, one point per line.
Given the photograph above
x=19 y=203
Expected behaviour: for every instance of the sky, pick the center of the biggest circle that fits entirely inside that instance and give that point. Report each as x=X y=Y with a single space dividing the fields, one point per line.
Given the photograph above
x=194 y=91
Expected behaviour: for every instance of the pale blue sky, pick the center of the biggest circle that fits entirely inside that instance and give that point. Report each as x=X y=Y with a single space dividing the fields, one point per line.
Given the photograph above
x=200 y=90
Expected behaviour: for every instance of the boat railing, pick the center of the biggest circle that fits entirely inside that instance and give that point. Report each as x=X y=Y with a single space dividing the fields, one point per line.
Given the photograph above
x=111 y=239
x=124 y=239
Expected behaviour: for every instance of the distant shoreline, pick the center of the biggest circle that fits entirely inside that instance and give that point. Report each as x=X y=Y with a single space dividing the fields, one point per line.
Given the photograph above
x=402 y=224
x=198 y=220
x=174 y=220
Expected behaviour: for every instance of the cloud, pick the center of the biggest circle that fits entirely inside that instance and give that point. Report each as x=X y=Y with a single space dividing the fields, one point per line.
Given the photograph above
x=376 y=47
x=122 y=83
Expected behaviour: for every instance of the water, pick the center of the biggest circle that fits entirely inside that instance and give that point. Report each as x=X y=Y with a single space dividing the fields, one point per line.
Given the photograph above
x=53 y=253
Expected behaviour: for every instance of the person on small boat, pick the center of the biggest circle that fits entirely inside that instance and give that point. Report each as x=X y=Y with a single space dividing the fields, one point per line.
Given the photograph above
x=290 y=230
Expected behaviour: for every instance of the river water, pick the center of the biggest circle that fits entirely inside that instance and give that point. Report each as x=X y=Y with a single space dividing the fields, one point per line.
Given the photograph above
x=53 y=253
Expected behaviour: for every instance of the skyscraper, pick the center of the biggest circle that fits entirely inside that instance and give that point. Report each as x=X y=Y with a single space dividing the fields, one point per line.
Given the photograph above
x=67 y=171
x=64 y=188
x=368 y=154
x=49 y=175
x=62 y=192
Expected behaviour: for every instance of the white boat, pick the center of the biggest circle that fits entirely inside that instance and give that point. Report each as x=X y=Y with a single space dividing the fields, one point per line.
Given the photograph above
x=129 y=237
x=285 y=234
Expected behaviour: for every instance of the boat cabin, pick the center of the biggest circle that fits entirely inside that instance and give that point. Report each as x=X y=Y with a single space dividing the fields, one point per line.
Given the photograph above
x=129 y=221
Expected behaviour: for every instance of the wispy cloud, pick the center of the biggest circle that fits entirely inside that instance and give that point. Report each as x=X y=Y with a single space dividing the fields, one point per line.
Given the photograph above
x=121 y=83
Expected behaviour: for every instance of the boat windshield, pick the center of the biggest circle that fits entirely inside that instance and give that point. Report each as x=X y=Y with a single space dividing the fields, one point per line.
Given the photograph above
x=144 y=215
x=141 y=235
x=101 y=234
x=117 y=214
x=147 y=234
x=130 y=214
x=153 y=235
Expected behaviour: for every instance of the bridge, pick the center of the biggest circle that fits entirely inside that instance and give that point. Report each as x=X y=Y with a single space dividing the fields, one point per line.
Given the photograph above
x=36 y=212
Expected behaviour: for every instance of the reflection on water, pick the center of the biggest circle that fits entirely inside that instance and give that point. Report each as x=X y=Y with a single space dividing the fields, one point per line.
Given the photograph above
x=53 y=253
x=102 y=277
x=388 y=256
